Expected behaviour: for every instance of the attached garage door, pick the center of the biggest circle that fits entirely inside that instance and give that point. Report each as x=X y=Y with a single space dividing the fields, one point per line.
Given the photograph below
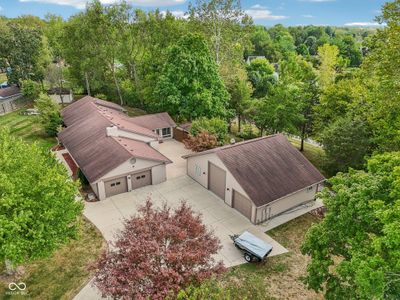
x=141 y=179
x=116 y=186
x=242 y=204
x=216 y=180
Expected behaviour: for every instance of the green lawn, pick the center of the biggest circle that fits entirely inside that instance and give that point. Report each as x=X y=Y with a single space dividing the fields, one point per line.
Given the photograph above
x=313 y=153
x=28 y=128
x=278 y=277
x=62 y=275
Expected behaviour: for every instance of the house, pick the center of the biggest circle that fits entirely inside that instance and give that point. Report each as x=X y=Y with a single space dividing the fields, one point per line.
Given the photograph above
x=8 y=97
x=61 y=95
x=260 y=178
x=116 y=153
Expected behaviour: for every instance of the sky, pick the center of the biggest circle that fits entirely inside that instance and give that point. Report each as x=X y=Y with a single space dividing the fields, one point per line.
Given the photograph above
x=264 y=12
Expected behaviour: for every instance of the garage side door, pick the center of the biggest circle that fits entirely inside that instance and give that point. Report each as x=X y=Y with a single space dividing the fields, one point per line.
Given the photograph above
x=242 y=204
x=116 y=186
x=141 y=179
x=216 y=180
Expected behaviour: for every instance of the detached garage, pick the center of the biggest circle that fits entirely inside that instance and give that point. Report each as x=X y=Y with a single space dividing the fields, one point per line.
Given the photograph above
x=260 y=178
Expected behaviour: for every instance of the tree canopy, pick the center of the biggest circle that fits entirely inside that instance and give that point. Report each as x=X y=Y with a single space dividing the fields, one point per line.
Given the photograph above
x=38 y=210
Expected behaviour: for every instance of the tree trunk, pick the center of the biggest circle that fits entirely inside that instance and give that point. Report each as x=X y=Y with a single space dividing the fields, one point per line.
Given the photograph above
x=87 y=84
x=239 y=123
x=117 y=85
x=303 y=133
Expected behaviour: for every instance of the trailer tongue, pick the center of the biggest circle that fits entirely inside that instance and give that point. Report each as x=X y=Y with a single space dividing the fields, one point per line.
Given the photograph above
x=254 y=249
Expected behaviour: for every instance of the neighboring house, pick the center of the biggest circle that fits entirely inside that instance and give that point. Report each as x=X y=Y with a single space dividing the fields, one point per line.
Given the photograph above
x=8 y=97
x=57 y=93
x=116 y=153
x=182 y=131
x=260 y=178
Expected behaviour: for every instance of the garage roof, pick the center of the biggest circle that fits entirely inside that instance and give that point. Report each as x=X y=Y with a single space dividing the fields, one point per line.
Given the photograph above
x=154 y=121
x=9 y=91
x=87 y=141
x=267 y=168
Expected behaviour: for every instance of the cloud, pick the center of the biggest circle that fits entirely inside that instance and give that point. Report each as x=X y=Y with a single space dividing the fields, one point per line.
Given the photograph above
x=307 y=16
x=259 y=12
x=80 y=4
x=177 y=13
x=363 y=24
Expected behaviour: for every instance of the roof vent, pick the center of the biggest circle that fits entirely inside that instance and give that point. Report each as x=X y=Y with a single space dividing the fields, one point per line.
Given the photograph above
x=233 y=141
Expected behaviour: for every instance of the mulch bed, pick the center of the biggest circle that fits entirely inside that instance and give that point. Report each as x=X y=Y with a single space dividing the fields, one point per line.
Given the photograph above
x=71 y=164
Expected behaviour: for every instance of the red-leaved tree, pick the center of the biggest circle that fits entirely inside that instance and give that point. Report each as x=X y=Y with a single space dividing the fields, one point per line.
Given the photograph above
x=159 y=252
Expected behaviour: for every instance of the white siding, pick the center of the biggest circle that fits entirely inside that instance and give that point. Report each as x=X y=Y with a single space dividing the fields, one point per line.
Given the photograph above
x=66 y=98
x=125 y=169
x=283 y=204
x=197 y=168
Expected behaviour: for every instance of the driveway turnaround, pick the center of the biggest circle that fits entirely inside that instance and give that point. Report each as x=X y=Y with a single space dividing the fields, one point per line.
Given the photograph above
x=108 y=215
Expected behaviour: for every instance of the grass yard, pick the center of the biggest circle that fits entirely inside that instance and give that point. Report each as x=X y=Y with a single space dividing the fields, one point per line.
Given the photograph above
x=279 y=277
x=313 y=153
x=64 y=274
x=28 y=128
x=3 y=77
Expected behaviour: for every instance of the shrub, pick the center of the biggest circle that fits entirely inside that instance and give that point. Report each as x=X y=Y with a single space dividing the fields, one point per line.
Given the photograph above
x=31 y=89
x=248 y=132
x=215 y=126
x=49 y=114
x=200 y=142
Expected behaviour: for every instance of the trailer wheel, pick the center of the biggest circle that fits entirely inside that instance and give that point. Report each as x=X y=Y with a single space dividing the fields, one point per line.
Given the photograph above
x=248 y=257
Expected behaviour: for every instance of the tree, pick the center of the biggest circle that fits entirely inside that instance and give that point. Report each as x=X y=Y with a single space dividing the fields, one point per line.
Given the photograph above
x=38 y=210
x=22 y=51
x=220 y=18
x=158 y=252
x=49 y=114
x=240 y=96
x=214 y=126
x=328 y=58
x=30 y=89
x=346 y=144
x=261 y=75
x=201 y=142
x=355 y=249
x=189 y=86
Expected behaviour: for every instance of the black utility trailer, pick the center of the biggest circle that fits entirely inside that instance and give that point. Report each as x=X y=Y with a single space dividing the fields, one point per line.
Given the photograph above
x=254 y=249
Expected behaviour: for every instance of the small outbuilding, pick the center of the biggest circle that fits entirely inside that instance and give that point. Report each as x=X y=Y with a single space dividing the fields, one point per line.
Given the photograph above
x=8 y=99
x=61 y=95
x=260 y=178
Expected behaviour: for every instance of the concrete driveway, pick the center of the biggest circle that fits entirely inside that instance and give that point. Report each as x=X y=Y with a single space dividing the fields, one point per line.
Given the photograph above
x=174 y=150
x=108 y=215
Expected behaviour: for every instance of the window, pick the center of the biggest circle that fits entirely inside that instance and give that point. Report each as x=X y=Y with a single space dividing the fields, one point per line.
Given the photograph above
x=118 y=183
x=143 y=176
x=138 y=177
x=310 y=188
x=112 y=184
x=166 y=132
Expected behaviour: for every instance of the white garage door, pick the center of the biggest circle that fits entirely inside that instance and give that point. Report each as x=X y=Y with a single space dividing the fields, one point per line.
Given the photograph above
x=116 y=186
x=216 y=180
x=141 y=179
x=242 y=204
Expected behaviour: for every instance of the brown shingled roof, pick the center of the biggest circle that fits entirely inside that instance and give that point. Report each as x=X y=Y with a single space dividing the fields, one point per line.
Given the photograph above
x=267 y=168
x=9 y=91
x=87 y=141
x=154 y=121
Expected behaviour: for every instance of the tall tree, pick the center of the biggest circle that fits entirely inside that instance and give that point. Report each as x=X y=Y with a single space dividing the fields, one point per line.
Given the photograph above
x=38 y=210
x=22 y=51
x=240 y=96
x=328 y=59
x=355 y=249
x=262 y=76
x=189 y=86
x=159 y=252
